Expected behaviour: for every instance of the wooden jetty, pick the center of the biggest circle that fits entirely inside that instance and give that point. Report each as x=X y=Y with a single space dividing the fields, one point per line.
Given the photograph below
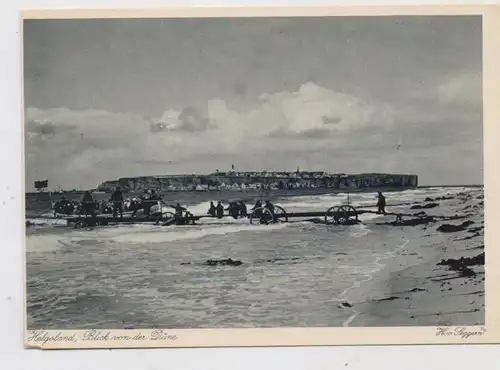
x=343 y=215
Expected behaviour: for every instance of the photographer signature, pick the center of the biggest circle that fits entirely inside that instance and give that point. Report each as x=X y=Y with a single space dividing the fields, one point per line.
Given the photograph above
x=460 y=331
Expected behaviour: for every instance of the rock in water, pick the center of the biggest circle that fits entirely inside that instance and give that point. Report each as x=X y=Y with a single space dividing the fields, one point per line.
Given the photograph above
x=223 y=262
x=413 y=222
x=425 y=206
x=447 y=228
x=456 y=264
x=414 y=290
x=444 y=198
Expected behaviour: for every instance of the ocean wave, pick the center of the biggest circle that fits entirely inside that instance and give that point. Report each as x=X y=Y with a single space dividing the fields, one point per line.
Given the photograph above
x=367 y=276
x=177 y=233
x=45 y=222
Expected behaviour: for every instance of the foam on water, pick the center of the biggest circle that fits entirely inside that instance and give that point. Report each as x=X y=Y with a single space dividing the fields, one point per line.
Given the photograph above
x=366 y=277
x=295 y=273
x=188 y=232
x=47 y=222
x=143 y=234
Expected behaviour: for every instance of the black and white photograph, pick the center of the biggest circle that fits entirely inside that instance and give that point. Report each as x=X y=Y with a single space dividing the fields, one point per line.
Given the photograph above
x=254 y=172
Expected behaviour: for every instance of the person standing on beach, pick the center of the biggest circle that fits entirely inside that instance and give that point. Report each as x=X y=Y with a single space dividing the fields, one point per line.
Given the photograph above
x=117 y=199
x=219 y=210
x=256 y=208
x=146 y=201
x=381 y=203
x=268 y=205
x=243 y=209
x=211 y=210
x=233 y=209
x=88 y=204
x=178 y=210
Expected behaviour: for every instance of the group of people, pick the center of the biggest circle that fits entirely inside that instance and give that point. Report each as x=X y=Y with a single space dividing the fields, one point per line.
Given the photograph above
x=237 y=209
x=116 y=205
x=145 y=202
x=67 y=207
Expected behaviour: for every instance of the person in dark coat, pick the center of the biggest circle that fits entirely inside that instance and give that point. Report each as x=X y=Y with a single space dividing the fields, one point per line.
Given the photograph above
x=269 y=206
x=256 y=207
x=211 y=210
x=219 y=210
x=178 y=210
x=88 y=204
x=258 y=204
x=233 y=210
x=381 y=203
x=243 y=209
x=117 y=200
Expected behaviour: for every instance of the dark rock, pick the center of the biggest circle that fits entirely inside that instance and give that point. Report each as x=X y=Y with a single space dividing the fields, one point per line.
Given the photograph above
x=425 y=206
x=462 y=264
x=387 y=299
x=414 y=290
x=449 y=218
x=223 y=262
x=466 y=272
x=447 y=228
x=470 y=237
x=444 y=198
x=421 y=213
x=413 y=222
x=476 y=229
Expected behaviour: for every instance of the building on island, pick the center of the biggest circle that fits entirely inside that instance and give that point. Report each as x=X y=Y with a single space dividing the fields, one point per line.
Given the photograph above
x=255 y=180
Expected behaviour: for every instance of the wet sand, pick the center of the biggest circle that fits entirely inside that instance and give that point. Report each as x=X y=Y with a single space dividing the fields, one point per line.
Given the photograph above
x=445 y=285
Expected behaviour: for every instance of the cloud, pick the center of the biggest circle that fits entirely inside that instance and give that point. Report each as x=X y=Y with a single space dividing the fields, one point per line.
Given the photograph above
x=462 y=89
x=313 y=127
x=189 y=119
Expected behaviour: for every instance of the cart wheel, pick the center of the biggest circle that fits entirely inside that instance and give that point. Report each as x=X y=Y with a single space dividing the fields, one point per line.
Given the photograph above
x=351 y=215
x=334 y=215
x=280 y=214
x=263 y=215
x=164 y=217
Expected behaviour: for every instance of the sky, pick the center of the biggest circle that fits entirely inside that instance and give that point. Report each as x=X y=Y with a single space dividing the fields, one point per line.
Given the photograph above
x=110 y=98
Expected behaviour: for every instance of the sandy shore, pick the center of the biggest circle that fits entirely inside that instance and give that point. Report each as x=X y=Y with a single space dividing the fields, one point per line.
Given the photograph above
x=445 y=285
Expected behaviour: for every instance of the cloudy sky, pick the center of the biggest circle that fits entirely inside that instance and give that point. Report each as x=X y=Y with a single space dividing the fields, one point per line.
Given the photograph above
x=115 y=98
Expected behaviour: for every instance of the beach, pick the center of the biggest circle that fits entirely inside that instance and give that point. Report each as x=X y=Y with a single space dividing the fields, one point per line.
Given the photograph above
x=434 y=290
x=228 y=273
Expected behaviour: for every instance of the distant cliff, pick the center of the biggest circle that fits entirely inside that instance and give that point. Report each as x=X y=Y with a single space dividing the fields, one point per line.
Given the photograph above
x=259 y=180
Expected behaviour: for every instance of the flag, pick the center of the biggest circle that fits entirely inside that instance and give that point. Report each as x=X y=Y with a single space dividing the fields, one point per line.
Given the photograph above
x=41 y=184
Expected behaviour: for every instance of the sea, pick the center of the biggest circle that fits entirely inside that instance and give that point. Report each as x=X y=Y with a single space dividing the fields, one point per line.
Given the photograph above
x=295 y=274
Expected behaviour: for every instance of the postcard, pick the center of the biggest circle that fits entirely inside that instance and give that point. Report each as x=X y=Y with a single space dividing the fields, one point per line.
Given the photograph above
x=260 y=176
